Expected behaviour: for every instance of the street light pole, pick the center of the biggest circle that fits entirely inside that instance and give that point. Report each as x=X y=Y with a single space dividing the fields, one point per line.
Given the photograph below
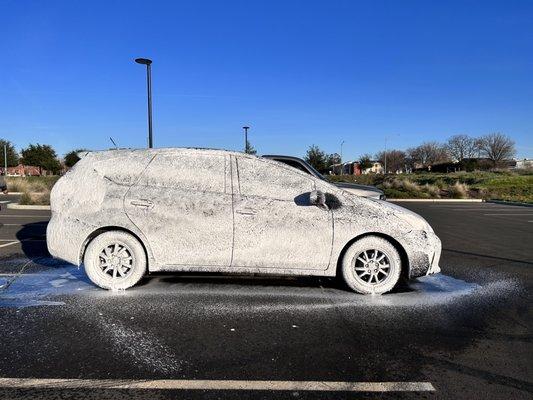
x=148 y=63
x=342 y=167
x=5 y=159
x=385 y=156
x=246 y=138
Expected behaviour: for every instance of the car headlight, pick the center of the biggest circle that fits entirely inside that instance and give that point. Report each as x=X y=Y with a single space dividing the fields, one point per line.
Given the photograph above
x=417 y=222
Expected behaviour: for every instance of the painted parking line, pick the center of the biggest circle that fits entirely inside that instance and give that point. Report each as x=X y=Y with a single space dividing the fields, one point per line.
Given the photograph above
x=184 y=384
x=494 y=214
x=24 y=216
x=20 y=241
x=9 y=244
x=482 y=209
x=33 y=223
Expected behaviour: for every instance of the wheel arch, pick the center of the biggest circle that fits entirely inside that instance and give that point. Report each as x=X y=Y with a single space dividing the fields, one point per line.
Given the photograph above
x=405 y=273
x=101 y=230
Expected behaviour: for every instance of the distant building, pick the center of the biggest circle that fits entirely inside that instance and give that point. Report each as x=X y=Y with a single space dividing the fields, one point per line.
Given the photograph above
x=25 y=170
x=526 y=163
x=376 y=168
x=354 y=168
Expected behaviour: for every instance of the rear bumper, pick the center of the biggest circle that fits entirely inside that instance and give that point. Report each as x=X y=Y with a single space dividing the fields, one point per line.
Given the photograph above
x=65 y=237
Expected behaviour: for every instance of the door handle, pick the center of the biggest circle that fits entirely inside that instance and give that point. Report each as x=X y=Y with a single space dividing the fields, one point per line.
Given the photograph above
x=246 y=211
x=142 y=203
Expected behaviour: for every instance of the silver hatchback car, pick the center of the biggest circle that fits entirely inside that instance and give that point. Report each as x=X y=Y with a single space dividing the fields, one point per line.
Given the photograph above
x=123 y=213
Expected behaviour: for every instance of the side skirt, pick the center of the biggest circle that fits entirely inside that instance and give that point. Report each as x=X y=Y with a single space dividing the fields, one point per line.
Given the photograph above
x=245 y=270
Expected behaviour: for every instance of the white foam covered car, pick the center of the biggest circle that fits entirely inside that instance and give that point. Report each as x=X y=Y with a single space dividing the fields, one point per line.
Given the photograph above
x=123 y=213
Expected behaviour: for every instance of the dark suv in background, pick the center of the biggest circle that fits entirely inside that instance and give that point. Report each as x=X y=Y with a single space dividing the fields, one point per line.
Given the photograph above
x=302 y=165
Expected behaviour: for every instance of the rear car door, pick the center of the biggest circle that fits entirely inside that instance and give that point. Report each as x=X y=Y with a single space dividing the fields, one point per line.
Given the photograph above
x=275 y=226
x=183 y=205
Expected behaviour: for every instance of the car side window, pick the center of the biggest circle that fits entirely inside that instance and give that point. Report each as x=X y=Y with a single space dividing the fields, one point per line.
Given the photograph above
x=188 y=171
x=265 y=179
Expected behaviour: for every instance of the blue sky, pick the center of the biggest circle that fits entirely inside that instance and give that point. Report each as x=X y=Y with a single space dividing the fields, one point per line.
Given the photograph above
x=298 y=72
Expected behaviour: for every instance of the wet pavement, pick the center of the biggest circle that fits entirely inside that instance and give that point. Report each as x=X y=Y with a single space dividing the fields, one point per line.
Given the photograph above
x=466 y=331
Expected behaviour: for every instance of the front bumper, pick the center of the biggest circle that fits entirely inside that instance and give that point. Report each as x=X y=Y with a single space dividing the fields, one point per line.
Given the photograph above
x=434 y=266
x=423 y=252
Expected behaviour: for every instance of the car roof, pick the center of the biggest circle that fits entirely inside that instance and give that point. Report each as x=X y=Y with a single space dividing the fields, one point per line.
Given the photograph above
x=106 y=154
x=163 y=150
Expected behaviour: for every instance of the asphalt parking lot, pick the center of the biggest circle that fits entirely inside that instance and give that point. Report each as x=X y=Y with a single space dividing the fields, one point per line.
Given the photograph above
x=465 y=333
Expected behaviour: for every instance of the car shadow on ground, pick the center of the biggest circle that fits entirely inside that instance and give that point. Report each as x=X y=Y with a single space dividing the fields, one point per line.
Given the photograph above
x=32 y=238
x=258 y=281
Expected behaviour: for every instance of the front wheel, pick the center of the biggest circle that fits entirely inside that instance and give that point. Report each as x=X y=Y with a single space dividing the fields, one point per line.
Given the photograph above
x=115 y=260
x=371 y=265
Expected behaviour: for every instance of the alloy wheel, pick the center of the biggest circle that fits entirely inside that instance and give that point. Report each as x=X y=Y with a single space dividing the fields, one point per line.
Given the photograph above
x=116 y=261
x=372 y=267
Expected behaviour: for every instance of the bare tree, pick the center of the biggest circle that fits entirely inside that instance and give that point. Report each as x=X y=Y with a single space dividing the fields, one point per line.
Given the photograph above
x=497 y=147
x=462 y=146
x=395 y=159
x=428 y=153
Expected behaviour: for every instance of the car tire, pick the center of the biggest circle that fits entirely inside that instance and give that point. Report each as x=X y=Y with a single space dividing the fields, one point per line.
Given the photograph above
x=371 y=265
x=115 y=260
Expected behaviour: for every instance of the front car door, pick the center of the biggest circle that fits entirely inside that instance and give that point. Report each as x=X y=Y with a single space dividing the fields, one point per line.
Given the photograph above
x=275 y=226
x=183 y=205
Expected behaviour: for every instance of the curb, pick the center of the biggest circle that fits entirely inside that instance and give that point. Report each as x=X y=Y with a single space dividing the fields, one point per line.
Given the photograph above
x=16 y=206
x=15 y=193
x=439 y=200
x=510 y=203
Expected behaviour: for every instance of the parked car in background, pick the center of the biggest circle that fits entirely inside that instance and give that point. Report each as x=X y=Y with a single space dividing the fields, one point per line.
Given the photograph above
x=302 y=165
x=127 y=212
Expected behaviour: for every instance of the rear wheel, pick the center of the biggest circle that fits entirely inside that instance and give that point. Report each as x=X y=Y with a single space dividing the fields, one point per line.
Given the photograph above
x=371 y=265
x=115 y=260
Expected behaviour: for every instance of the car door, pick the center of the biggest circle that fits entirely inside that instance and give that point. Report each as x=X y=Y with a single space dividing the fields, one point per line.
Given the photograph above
x=275 y=226
x=183 y=205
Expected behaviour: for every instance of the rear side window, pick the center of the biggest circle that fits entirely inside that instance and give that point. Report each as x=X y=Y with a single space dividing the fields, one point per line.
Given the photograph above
x=189 y=171
x=122 y=169
x=264 y=179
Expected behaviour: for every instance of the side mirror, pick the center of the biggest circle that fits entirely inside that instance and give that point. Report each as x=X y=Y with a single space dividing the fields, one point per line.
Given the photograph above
x=318 y=198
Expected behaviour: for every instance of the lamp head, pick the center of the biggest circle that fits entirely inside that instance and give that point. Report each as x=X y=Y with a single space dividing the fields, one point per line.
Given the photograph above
x=144 y=61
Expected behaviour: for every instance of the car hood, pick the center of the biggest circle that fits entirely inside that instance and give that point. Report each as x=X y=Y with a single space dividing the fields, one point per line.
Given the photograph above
x=385 y=208
x=346 y=185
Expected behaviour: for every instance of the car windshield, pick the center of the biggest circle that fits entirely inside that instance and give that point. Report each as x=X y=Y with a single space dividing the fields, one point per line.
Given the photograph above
x=314 y=171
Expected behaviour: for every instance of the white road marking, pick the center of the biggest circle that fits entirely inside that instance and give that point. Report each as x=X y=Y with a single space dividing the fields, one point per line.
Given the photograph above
x=5 y=201
x=23 y=216
x=20 y=241
x=481 y=209
x=33 y=223
x=531 y=213
x=184 y=384
x=9 y=244
x=32 y=239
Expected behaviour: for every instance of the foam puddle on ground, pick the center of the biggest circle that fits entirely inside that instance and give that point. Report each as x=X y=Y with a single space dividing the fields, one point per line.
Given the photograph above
x=39 y=288
x=42 y=287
